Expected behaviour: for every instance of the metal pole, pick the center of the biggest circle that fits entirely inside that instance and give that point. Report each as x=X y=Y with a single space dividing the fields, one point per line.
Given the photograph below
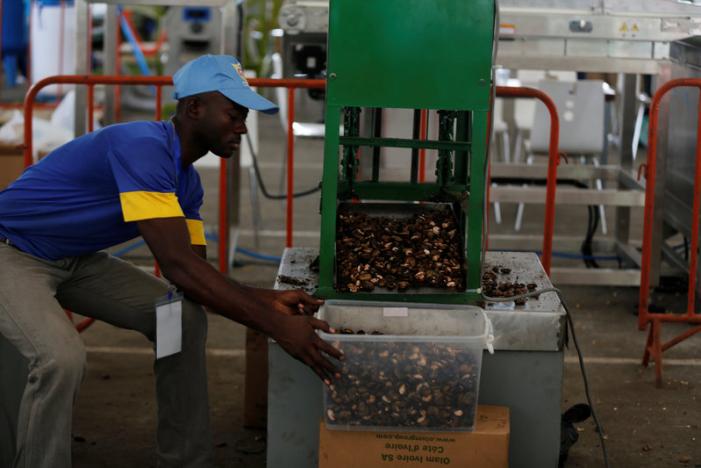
x=627 y=96
x=82 y=16
x=416 y=132
x=110 y=53
x=290 y=163
x=423 y=135
x=553 y=162
x=91 y=107
x=693 y=252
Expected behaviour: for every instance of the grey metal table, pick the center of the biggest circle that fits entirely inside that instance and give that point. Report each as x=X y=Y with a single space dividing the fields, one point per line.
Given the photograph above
x=525 y=372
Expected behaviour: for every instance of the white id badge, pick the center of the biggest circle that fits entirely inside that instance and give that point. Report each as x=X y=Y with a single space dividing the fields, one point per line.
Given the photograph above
x=169 y=324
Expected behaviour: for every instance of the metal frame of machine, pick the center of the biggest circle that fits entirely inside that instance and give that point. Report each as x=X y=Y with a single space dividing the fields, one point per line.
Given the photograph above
x=410 y=66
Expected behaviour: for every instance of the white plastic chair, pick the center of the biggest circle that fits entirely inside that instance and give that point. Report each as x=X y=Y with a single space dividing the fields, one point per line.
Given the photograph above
x=581 y=107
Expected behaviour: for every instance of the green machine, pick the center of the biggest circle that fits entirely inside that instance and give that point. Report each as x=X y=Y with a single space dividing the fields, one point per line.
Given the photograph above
x=409 y=54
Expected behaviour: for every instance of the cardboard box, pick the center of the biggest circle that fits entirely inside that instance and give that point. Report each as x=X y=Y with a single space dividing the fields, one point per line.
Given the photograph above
x=11 y=163
x=486 y=447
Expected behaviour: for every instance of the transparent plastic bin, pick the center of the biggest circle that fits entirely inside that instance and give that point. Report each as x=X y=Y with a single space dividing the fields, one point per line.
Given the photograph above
x=421 y=374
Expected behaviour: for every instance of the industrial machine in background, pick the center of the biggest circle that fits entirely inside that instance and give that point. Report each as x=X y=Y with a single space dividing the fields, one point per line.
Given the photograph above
x=212 y=25
x=192 y=31
x=305 y=24
x=626 y=37
x=672 y=223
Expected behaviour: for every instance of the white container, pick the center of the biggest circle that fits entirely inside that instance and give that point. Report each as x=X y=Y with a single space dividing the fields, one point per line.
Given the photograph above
x=49 y=27
x=421 y=374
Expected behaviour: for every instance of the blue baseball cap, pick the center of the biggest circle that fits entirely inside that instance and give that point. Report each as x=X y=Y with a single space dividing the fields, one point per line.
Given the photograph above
x=221 y=73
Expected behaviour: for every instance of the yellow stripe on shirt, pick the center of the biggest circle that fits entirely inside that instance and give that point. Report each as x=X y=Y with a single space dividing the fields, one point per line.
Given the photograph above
x=137 y=206
x=196 y=228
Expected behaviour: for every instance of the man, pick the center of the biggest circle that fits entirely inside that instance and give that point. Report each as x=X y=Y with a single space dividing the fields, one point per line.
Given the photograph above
x=105 y=188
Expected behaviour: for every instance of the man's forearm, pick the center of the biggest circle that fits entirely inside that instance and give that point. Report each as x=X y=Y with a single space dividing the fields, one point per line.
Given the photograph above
x=202 y=283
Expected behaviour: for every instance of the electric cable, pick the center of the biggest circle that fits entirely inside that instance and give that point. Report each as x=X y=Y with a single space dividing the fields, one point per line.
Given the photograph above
x=263 y=188
x=593 y=216
x=570 y=322
x=258 y=255
x=592 y=225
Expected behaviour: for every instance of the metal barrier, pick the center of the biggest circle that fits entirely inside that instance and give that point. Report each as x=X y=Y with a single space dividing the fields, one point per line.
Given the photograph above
x=291 y=84
x=654 y=346
x=553 y=162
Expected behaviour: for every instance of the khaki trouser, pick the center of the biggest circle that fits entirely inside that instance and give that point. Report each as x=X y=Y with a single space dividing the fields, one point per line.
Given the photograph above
x=33 y=295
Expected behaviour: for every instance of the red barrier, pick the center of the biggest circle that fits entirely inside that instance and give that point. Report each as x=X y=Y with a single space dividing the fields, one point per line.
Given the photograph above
x=654 y=346
x=292 y=85
x=90 y=81
x=553 y=162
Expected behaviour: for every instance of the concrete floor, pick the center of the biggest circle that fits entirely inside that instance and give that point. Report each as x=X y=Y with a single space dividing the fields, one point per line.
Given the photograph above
x=645 y=426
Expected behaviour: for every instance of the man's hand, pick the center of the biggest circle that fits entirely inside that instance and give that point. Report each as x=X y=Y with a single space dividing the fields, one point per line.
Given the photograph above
x=296 y=335
x=293 y=302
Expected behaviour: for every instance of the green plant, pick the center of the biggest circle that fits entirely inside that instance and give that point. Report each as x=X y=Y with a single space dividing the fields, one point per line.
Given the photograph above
x=261 y=17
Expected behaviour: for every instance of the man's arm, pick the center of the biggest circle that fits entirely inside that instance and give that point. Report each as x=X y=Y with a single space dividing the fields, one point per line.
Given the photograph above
x=289 y=302
x=169 y=241
x=200 y=250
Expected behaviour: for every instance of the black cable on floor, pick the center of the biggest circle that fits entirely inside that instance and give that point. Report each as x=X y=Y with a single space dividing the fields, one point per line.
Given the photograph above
x=263 y=188
x=599 y=428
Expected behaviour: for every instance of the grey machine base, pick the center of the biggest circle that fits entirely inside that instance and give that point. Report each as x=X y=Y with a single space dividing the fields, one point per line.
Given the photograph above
x=525 y=374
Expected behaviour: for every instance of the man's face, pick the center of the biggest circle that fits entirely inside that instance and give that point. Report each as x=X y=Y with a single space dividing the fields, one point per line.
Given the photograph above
x=223 y=124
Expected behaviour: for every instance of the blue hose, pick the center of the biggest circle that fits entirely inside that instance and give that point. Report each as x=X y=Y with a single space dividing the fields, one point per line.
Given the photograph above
x=125 y=250
x=259 y=256
x=247 y=252
x=138 y=54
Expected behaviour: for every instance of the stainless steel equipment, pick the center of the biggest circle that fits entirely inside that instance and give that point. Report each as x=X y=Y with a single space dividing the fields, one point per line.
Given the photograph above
x=192 y=31
x=675 y=156
x=305 y=23
x=620 y=36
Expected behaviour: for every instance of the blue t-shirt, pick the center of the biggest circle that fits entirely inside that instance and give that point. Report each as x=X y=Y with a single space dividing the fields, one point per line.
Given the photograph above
x=87 y=194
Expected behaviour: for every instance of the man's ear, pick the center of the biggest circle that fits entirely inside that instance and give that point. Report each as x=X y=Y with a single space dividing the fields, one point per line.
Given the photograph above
x=194 y=107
